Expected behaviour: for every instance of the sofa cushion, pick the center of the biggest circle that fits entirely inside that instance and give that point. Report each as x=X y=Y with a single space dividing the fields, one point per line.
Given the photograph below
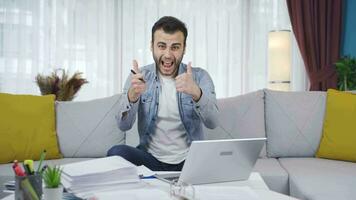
x=27 y=127
x=88 y=129
x=339 y=134
x=132 y=136
x=273 y=174
x=240 y=117
x=320 y=179
x=294 y=122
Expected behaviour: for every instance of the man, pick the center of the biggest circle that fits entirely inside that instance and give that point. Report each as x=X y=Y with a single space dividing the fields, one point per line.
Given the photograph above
x=172 y=101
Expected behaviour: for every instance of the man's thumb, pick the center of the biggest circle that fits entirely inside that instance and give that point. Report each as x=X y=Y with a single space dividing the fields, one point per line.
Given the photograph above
x=189 y=68
x=135 y=66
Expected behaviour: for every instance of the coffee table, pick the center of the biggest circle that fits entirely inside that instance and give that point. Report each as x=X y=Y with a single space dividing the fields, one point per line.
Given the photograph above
x=255 y=182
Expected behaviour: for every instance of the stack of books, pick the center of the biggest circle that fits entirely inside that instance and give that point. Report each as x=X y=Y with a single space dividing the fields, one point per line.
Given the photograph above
x=102 y=174
x=9 y=187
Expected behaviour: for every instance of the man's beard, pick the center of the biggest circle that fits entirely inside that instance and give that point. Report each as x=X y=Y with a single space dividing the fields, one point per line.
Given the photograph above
x=176 y=63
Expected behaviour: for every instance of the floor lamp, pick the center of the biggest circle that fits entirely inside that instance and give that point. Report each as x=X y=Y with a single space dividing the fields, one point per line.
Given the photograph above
x=279 y=60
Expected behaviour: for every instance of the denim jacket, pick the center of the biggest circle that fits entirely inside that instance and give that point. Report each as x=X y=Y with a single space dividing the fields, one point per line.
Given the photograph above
x=192 y=113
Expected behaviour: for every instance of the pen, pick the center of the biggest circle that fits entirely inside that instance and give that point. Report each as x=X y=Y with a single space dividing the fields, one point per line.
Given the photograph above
x=147 y=177
x=29 y=164
x=162 y=179
x=141 y=79
x=27 y=169
x=18 y=171
x=43 y=155
x=44 y=168
x=15 y=163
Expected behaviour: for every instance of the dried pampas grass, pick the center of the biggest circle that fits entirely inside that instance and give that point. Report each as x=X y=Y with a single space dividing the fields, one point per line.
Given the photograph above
x=63 y=87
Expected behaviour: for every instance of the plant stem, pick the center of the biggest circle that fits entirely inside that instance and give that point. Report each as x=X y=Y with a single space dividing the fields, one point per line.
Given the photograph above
x=345 y=82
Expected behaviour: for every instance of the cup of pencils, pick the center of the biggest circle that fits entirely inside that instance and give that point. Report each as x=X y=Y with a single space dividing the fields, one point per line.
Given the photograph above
x=28 y=182
x=28 y=187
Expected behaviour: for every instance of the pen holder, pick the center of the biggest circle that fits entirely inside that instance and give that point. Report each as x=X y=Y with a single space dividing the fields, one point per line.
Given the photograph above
x=28 y=187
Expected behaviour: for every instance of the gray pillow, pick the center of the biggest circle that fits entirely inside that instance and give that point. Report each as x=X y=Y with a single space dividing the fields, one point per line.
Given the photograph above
x=294 y=122
x=240 y=117
x=88 y=128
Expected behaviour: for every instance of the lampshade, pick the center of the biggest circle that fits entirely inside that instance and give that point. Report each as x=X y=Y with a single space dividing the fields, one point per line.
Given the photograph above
x=279 y=60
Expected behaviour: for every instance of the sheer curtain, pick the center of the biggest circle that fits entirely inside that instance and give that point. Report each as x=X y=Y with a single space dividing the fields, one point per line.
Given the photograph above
x=228 y=38
x=38 y=36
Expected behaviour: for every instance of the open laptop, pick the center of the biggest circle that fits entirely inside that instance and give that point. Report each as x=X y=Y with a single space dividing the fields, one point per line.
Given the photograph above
x=211 y=161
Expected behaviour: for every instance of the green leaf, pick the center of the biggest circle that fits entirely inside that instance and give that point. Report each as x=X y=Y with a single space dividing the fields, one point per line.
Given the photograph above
x=346 y=71
x=52 y=176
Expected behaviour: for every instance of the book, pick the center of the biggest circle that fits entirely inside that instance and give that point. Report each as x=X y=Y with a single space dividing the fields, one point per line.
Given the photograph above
x=10 y=185
x=96 y=175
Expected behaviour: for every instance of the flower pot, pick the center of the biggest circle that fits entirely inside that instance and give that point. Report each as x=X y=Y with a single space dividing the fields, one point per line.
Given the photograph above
x=53 y=193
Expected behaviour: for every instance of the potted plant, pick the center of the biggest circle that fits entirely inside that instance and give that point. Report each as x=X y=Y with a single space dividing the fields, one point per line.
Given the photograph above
x=346 y=70
x=52 y=178
x=60 y=84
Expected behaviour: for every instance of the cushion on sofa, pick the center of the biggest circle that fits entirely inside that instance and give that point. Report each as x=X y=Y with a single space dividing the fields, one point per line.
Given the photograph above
x=294 y=122
x=132 y=136
x=320 y=179
x=273 y=174
x=27 y=127
x=88 y=129
x=240 y=117
x=339 y=133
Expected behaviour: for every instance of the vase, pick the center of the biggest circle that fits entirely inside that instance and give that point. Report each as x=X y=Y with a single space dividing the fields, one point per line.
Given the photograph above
x=53 y=193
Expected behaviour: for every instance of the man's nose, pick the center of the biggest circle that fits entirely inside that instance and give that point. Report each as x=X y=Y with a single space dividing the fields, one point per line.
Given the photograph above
x=168 y=53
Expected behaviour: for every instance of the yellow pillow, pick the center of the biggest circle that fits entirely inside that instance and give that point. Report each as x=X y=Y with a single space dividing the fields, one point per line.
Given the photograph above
x=339 y=132
x=27 y=127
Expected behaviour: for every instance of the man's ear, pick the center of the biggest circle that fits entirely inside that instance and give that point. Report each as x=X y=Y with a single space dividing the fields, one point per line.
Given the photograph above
x=152 y=46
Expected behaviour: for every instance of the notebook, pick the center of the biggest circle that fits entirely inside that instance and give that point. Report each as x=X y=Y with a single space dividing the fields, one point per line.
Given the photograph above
x=212 y=161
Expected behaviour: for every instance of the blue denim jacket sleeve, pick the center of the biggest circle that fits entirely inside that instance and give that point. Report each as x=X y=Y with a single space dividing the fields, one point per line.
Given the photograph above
x=127 y=114
x=206 y=107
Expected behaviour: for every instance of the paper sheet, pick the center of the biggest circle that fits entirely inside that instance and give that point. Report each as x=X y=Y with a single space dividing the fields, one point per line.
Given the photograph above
x=96 y=166
x=134 y=195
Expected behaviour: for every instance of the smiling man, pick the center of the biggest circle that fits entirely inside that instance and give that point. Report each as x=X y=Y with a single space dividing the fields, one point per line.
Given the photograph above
x=172 y=100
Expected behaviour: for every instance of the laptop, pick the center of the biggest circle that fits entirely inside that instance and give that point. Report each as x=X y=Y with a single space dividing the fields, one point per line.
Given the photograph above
x=212 y=161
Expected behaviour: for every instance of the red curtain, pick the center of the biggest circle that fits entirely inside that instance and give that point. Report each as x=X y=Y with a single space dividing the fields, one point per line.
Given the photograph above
x=317 y=26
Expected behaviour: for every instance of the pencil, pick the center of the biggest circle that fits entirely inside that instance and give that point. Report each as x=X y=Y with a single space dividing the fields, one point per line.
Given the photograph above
x=43 y=155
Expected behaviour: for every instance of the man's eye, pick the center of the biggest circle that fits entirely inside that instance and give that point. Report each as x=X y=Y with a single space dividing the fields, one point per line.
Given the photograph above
x=175 y=48
x=161 y=46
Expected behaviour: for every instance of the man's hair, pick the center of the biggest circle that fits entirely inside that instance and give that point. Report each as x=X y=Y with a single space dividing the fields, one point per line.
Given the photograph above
x=170 y=25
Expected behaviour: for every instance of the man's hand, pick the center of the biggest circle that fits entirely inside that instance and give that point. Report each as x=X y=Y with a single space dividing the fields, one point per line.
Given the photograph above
x=186 y=84
x=137 y=86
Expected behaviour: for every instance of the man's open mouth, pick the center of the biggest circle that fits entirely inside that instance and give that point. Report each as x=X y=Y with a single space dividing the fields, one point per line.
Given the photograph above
x=167 y=64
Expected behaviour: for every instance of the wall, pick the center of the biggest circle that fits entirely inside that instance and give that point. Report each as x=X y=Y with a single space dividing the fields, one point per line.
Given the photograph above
x=349 y=38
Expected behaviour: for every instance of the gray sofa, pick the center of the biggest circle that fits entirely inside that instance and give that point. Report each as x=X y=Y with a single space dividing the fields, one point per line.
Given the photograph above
x=291 y=121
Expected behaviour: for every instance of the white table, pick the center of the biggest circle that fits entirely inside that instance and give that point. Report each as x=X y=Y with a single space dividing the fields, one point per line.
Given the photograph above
x=255 y=182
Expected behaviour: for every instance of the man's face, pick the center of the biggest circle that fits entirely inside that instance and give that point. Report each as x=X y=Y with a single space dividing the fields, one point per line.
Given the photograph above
x=168 y=50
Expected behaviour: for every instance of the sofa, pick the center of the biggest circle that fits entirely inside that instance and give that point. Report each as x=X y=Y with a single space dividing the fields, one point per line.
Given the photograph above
x=292 y=122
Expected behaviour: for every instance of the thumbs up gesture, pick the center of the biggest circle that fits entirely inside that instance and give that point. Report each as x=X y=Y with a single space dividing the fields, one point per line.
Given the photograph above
x=186 y=84
x=138 y=85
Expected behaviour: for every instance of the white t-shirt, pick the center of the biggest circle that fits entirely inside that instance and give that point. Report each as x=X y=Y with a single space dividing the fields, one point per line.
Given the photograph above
x=169 y=141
